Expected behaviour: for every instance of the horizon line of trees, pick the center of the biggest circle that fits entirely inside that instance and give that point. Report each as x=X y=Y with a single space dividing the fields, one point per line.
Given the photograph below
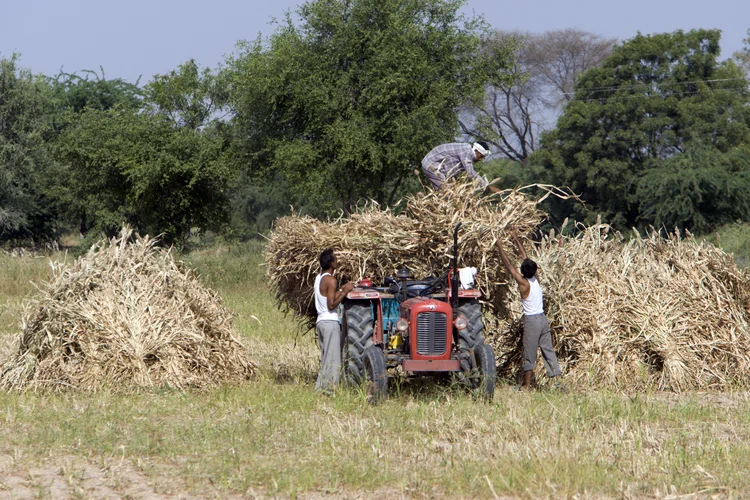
x=342 y=104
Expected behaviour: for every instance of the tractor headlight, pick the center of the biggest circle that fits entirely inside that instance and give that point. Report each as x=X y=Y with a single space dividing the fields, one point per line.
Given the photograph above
x=460 y=323
x=402 y=325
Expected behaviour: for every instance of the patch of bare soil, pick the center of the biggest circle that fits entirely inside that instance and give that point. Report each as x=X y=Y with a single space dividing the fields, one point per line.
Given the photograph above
x=112 y=478
x=72 y=477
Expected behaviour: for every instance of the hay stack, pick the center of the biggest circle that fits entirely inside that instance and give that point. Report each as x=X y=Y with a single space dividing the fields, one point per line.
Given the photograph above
x=653 y=312
x=376 y=242
x=664 y=313
x=125 y=315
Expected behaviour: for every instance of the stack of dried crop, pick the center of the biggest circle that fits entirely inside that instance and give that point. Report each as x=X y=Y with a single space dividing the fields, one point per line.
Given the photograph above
x=376 y=242
x=125 y=315
x=653 y=312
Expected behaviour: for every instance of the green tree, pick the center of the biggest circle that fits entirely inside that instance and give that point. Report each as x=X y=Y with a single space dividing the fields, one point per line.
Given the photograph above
x=26 y=160
x=189 y=96
x=129 y=166
x=742 y=56
x=346 y=103
x=654 y=99
x=700 y=189
x=75 y=93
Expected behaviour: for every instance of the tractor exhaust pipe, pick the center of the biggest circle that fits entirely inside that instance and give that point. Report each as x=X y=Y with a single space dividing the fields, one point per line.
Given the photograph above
x=454 y=276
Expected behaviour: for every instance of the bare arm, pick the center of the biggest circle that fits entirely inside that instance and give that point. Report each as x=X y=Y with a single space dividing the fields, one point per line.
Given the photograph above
x=523 y=284
x=519 y=245
x=333 y=296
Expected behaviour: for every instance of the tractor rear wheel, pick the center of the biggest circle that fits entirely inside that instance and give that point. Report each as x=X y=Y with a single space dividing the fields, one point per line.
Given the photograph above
x=473 y=334
x=358 y=330
x=482 y=376
x=377 y=376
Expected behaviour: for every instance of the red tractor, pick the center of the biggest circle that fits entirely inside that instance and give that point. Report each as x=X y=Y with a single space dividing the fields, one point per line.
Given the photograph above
x=425 y=327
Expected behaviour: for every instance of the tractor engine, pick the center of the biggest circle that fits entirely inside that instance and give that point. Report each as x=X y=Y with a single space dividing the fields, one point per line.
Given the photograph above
x=425 y=326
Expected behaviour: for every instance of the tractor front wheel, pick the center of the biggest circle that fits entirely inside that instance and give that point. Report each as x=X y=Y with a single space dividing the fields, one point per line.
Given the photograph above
x=377 y=377
x=482 y=375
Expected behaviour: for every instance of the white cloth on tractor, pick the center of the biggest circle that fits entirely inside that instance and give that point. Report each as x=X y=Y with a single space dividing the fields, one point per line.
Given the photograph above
x=466 y=276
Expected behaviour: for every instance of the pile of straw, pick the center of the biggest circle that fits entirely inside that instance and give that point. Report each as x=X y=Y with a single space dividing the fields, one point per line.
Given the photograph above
x=126 y=315
x=652 y=312
x=656 y=312
x=375 y=243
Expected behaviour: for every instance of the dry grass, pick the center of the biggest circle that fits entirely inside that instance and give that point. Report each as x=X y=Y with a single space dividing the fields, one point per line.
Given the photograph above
x=125 y=315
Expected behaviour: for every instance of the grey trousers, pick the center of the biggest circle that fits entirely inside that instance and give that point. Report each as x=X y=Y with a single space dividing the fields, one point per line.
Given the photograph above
x=435 y=174
x=538 y=334
x=435 y=179
x=329 y=340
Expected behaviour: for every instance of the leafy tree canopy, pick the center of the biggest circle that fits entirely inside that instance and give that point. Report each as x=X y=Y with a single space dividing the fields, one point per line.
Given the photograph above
x=140 y=168
x=26 y=158
x=93 y=90
x=346 y=103
x=658 y=106
x=189 y=96
x=742 y=56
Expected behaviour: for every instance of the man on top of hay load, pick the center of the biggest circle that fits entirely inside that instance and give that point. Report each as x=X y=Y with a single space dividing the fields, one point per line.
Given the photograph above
x=448 y=160
x=536 y=330
x=327 y=299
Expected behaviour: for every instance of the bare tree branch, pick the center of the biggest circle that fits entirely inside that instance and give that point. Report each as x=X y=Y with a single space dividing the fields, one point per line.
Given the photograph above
x=533 y=91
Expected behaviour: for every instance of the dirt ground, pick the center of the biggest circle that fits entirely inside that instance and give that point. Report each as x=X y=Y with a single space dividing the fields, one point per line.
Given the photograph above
x=72 y=477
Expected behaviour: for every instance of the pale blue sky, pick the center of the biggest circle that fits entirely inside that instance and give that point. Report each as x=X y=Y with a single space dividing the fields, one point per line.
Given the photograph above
x=146 y=37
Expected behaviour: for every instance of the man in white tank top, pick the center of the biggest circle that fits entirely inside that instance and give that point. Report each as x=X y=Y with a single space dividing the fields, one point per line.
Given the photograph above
x=327 y=298
x=536 y=330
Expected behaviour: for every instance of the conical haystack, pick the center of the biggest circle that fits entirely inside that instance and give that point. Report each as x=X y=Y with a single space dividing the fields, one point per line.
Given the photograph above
x=124 y=316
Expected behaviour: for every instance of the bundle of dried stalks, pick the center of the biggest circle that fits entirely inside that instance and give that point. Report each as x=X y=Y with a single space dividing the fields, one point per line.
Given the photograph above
x=376 y=242
x=125 y=315
x=653 y=312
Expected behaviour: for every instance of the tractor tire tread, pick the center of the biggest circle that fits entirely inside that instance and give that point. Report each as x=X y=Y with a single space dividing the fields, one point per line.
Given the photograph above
x=359 y=329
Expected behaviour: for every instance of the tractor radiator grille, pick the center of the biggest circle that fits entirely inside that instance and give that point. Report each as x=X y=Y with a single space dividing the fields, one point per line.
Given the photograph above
x=431 y=333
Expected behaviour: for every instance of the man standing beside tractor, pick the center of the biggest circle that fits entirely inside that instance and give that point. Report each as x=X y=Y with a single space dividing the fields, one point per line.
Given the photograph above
x=327 y=299
x=448 y=160
x=536 y=330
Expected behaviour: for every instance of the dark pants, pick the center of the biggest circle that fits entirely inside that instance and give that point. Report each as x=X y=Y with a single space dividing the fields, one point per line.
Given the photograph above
x=537 y=334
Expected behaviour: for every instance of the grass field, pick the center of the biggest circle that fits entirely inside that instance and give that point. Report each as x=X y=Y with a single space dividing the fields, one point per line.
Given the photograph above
x=273 y=436
x=734 y=238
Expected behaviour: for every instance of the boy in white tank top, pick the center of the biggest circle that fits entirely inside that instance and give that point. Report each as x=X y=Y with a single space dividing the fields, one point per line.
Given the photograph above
x=536 y=330
x=327 y=299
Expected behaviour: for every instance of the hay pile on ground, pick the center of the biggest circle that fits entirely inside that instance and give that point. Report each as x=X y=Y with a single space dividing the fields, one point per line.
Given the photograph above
x=126 y=315
x=653 y=312
x=663 y=313
x=375 y=243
